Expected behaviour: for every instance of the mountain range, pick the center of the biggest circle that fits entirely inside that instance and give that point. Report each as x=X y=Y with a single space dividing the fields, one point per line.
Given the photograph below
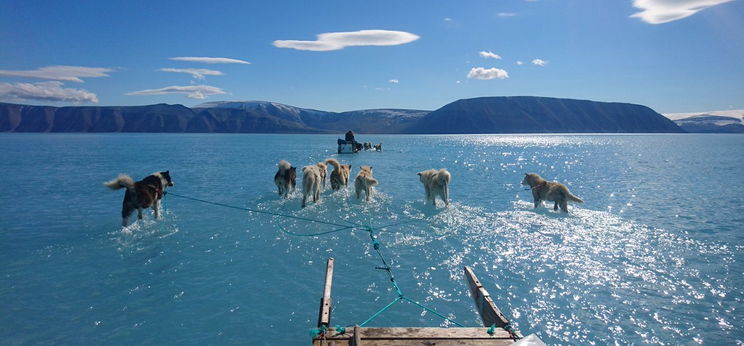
x=728 y=121
x=513 y=114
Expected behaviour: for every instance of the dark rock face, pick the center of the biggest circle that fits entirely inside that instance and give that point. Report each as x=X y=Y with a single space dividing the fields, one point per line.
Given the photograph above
x=479 y=115
x=525 y=114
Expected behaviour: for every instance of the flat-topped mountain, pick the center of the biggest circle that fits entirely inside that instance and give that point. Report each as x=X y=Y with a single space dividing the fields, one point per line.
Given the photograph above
x=522 y=114
x=528 y=114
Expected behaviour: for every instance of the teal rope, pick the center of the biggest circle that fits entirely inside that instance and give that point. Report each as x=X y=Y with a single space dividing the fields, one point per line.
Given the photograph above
x=349 y=228
x=401 y=297
x=509 y=328
x=259 y=211
x=378 y=313
x=491 y=329
x=432 y=311
x=375 y=244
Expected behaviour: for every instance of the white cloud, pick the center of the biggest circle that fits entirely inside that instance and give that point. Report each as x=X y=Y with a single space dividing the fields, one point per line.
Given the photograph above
x=394 y=81
x=487 y=74
x=665 y=11
x=340 y=40
x=506 y=14
x=519 y=62
x=539 y=62
x=489 y=54
x=208 y=60
x=457 y=82
x=47 y=91
x=448 y=19
x=59 y=73
x=199 y=92
x=197 y=73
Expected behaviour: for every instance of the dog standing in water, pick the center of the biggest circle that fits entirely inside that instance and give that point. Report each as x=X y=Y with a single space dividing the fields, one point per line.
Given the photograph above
x=364 y=181
x=143 y=194
x=310 y=183
x=323 y=172
x=339 y=175
x=436 y=183
x=285 y=178
x=543 y=190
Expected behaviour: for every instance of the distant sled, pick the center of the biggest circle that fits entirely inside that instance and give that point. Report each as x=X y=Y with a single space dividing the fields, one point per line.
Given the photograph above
x=347 y=147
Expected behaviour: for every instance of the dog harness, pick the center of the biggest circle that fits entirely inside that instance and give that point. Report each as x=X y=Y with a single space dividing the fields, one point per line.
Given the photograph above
x=158 y=191
x=540 y=186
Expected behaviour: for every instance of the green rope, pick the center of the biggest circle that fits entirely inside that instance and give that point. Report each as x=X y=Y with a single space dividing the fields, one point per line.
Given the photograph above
x=432 y=311
x=378 y=313
x=348 y=228
x=261 y=211
x=509 y=328
x=401 y=297
x=351 y=227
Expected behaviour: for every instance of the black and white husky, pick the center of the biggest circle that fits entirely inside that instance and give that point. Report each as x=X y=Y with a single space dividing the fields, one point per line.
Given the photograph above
x=285 y=178
x=143 y=194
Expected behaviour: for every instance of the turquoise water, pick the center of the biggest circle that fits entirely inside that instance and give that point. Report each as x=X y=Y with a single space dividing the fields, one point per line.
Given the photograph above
x=653 y=256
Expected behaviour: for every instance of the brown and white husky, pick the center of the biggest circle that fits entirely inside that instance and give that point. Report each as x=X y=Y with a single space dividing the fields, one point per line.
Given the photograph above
x=285 y=178
x=364 y=182
x=323 y=172
x=543 y=190
x=143 y=194
x=339 y=175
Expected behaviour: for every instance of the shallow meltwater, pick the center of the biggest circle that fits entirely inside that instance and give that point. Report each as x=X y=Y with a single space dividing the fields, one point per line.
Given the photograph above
x=563 y=275
x=632 y=264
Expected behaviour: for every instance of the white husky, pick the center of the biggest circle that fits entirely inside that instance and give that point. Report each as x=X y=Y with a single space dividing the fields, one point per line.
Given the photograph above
x=436 y=183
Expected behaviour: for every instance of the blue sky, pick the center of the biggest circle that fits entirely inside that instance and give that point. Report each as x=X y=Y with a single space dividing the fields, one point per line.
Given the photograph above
x=671 y=55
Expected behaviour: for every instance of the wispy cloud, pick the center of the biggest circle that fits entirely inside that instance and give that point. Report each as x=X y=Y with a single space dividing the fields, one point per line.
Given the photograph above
x=489 y=54
x=519 y=62
x=665 y=11
x=487 y=74
x=59 y=73
x=340 y=40
x=208 y=60
x=506 y=14
x=198 y=73
x=448 y=19
x=539 y=62
x=198 y=92
x=45 y=91
x=394 y=81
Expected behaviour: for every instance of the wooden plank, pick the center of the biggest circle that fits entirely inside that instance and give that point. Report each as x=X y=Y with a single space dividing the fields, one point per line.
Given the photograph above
x=357 y=336
x=414 y=336
x=490 y=314
x=437 y=342
x=431 y=333
x=324 y=315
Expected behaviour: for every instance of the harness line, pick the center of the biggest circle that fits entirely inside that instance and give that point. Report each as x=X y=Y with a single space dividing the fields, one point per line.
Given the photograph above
x=351 y=227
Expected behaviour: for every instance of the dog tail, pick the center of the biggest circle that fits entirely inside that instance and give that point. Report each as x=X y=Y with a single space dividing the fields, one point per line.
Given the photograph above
x=122 y=181
x=284 y=165
x=443 y=177
x=573 y=198
x=334 y=163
